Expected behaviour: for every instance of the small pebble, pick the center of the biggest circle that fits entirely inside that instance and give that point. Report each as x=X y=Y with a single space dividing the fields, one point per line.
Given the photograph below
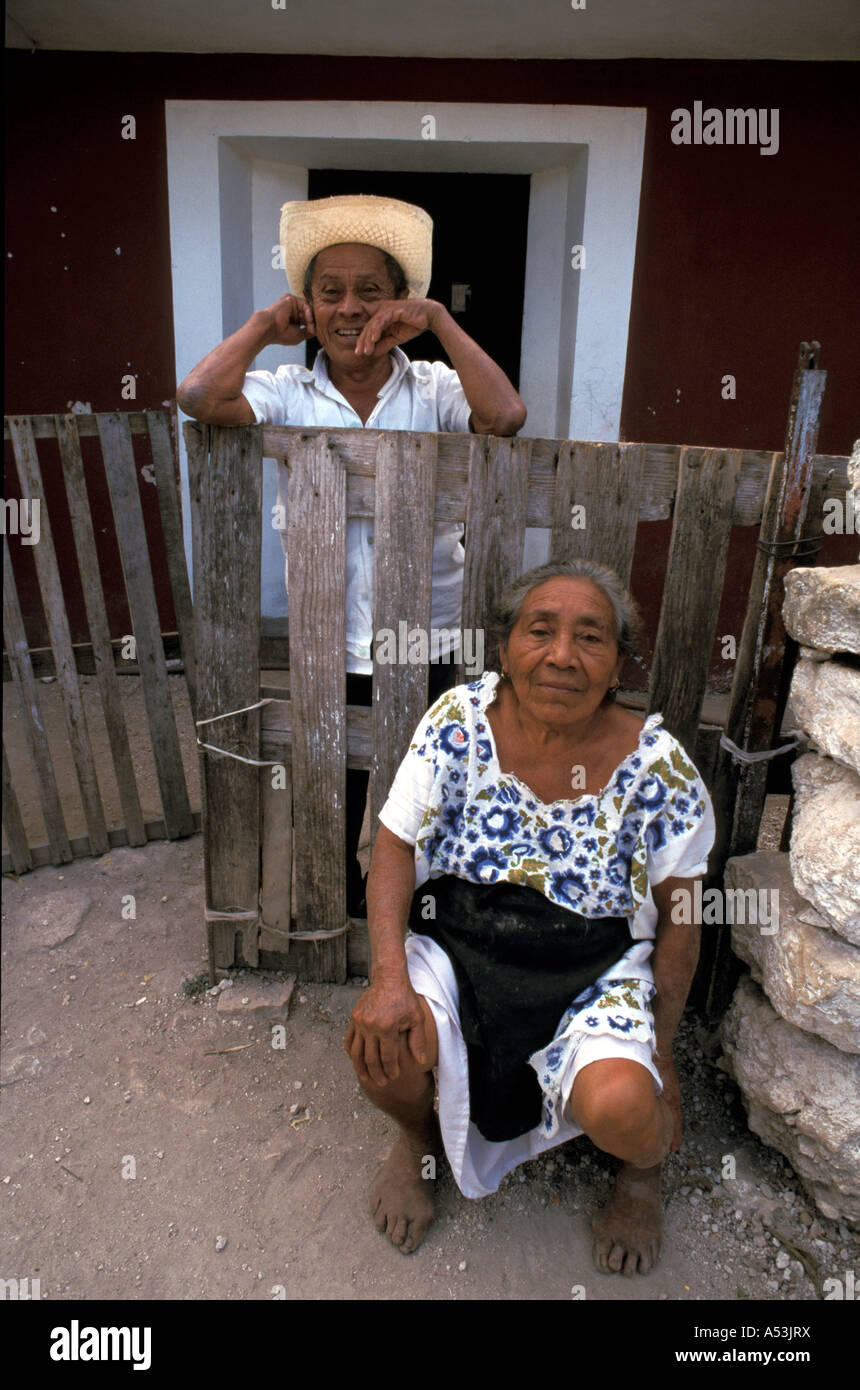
x=782 y=1259
x=461 y=1266
x=86 y=1100
x=297 y=1085
x=220 y=1243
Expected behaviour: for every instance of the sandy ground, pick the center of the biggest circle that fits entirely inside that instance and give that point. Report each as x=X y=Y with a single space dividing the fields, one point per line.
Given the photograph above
x=239 y=1195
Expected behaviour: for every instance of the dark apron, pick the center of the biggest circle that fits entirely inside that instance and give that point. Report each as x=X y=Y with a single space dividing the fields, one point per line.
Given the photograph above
x=519 y=961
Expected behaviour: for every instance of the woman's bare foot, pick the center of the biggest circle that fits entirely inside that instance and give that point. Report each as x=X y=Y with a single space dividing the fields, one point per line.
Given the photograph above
x=401 y=1199
x=627 y=1231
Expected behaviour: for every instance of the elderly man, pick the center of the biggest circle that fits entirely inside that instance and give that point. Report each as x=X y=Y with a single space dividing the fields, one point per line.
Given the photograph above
x=358 y=268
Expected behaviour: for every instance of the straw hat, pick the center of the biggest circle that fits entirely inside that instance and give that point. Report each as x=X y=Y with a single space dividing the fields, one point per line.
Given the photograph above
x=402 y=229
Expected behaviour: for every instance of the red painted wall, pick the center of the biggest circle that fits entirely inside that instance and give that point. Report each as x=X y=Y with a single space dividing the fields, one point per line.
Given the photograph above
x=740 y=255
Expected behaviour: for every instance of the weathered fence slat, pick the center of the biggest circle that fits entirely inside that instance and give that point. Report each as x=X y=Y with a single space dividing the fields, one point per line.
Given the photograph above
x=53 y=602
x=80 y=844
x=495 y=526
x=316 y=552
x=277 y=731
x=161 y=444
x=226 y=523
x=97 y=618
x=13 y=824
x=402 y=573
x=276 y=864
x=698 y=549
x=15 y=639
x=605 y=480
x=131 y=535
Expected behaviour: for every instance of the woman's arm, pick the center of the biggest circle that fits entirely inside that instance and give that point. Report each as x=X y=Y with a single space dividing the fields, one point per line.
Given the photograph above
x=390 y=1006
x=676 y=954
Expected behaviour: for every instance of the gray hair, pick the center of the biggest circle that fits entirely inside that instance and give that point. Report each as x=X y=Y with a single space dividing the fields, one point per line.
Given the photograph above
x=628 y=620
x=394 y=268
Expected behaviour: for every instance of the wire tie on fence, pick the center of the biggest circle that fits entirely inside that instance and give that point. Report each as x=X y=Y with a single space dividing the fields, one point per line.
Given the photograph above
x=225 y=752
x=305 y=935
x=217 y=915
x=252 y=762
x=740 y=755
x=269 y=699
x=791 y=549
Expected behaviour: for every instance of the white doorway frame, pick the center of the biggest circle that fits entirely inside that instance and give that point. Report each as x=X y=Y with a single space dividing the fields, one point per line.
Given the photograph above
x=232 y=164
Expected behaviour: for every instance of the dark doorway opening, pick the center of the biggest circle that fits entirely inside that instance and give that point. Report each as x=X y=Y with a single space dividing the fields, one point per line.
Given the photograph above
x=480 y=228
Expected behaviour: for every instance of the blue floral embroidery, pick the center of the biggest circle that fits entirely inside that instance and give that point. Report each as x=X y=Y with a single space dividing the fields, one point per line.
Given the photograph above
x=655 y=835
x=508 y=792
x=454 y=739
x=621 y=1023
x=500 y=823
x=564 y=886
x=486 y=865
x=555 y=841
x=589 y=853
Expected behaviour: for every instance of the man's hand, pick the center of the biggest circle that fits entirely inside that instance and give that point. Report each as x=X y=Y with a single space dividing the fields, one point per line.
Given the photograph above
x=389 y=1008
x=292 y=320
x=395 y=321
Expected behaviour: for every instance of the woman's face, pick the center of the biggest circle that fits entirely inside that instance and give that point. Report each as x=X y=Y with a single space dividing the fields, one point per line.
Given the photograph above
x=562 y=655
x=349 y=283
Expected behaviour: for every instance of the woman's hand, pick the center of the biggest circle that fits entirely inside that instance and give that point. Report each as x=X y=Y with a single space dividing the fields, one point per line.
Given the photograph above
x=387 y=1010
x=672 y=1097
x=393 y=322
x=291 y=319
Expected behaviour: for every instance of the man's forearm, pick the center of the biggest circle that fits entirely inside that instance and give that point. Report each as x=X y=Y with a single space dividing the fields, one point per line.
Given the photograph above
x=496 y=406
x=219 y=377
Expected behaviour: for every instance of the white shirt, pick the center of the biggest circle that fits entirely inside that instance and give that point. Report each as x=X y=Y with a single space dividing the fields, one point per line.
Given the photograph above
x=417 y=396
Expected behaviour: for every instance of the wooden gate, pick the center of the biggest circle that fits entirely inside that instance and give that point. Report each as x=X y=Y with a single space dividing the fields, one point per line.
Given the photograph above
x=102 y=656
x=274 y=807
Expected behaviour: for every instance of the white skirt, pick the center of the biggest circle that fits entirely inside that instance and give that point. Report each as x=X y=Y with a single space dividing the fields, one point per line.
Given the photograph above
x=610 y=1019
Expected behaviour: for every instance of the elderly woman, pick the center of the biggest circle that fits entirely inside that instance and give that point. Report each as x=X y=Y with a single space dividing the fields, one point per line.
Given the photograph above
x=358 y=268
x=533 y=840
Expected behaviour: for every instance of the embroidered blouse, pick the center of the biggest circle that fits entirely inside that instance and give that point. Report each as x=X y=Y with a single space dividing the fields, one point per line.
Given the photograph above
x=597 y=853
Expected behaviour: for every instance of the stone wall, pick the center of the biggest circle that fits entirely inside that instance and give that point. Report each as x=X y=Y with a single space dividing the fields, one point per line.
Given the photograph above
x=791 y=1037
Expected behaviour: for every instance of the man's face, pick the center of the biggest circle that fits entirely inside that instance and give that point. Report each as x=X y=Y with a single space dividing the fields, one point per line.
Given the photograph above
x=350 y=281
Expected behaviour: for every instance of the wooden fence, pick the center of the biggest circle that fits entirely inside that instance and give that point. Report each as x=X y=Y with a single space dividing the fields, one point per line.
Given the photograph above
x=261 y=838
x=101 y=656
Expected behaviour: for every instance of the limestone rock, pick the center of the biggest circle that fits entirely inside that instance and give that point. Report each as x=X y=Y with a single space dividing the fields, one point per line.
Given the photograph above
x=822 y=607
x=802 y=1098
x=825 y=842
x=825 y=702
x=59 y=915
x=854 y=476
x=811 y=976
x=267 y=1003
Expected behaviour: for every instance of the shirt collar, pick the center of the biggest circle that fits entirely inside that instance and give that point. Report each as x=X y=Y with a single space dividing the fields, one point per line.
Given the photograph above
x=402 y=365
